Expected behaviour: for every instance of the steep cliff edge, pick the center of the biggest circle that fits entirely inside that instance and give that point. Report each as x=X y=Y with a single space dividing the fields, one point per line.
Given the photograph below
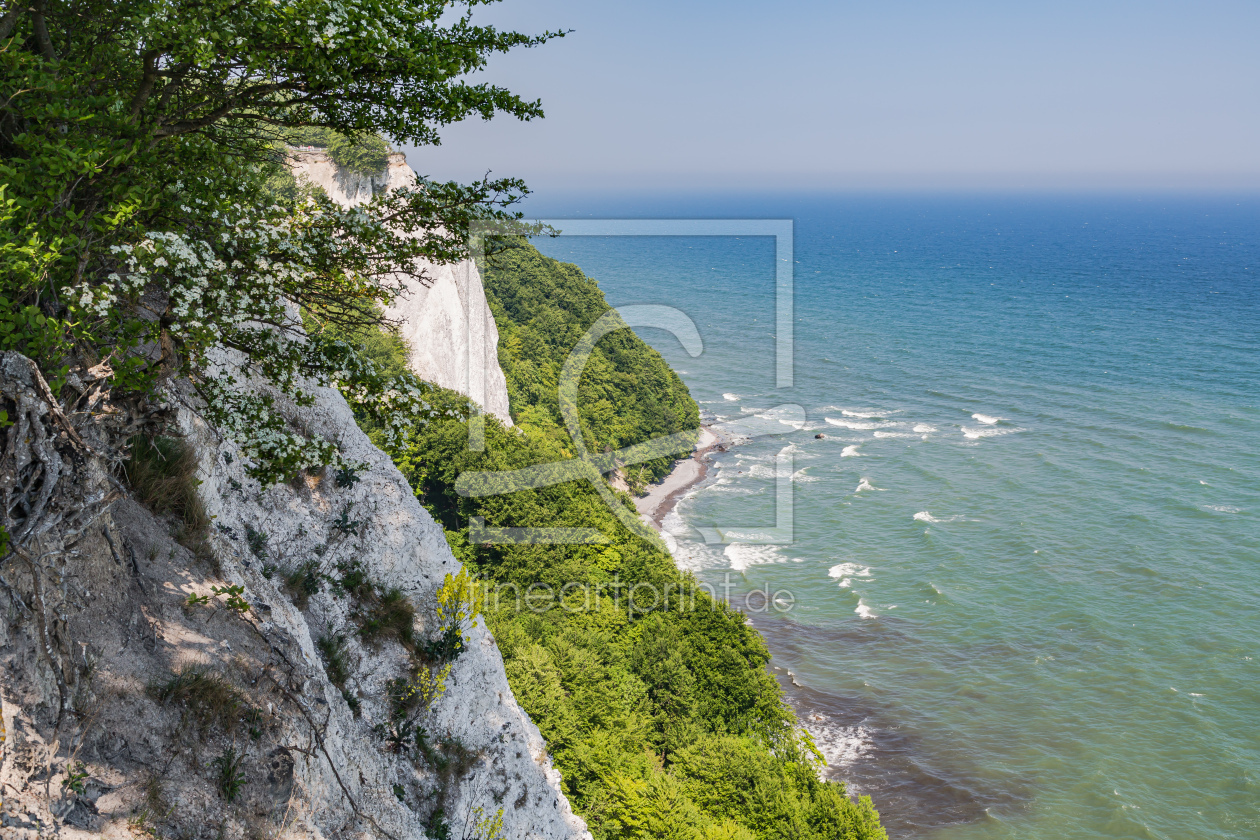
x=445 y=320
x=238 y=695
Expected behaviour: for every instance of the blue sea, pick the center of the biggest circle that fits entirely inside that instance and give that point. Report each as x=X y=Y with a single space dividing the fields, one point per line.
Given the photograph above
x=1024 y=568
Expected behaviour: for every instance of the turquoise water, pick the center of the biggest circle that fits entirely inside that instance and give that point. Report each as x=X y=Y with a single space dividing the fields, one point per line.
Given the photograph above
x=1026 y=555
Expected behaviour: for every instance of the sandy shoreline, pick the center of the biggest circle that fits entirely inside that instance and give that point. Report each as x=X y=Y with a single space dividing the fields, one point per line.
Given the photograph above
x=661 y=498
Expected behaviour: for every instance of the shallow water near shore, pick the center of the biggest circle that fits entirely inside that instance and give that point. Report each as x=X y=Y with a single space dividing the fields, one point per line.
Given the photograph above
x=1026 y=555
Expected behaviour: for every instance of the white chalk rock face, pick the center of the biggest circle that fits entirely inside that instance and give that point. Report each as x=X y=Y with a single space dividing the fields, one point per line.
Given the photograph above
x=452 y=335
x=398 y=544
x=345 y=187
x=445 y=318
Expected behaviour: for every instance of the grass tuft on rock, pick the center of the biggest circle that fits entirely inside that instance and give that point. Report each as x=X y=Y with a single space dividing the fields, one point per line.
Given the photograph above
x=208 y=700
x=161 y=473
x=387 y=614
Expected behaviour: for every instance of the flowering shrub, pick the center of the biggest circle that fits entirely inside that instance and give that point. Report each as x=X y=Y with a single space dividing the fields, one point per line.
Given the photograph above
x=139 y=225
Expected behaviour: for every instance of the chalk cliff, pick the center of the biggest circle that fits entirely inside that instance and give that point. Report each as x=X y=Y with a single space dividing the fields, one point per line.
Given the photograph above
x=445 y=319
x=122 y=696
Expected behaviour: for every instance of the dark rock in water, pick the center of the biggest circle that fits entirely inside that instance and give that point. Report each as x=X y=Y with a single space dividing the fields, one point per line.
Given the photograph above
x=819 y=436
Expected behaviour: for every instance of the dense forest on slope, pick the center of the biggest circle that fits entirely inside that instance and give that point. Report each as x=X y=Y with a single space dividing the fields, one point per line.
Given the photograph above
x=659 y=711
x=627 y=393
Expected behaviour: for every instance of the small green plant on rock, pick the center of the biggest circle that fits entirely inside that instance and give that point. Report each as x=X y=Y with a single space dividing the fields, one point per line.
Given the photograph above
x=75 y=779
x=380 y=613
x=303 y=582
x=407 y=699
x=333 y=651
x=257 y=541
x=347 y=476
x=229 y=779
x=438 y=828
x=232 y=597
x=345 y=525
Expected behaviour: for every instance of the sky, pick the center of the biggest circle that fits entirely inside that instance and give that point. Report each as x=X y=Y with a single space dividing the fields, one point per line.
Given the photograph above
x=897 y=94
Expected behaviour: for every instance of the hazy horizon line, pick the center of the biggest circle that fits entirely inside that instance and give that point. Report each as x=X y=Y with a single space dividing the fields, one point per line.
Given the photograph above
x=1249 y=184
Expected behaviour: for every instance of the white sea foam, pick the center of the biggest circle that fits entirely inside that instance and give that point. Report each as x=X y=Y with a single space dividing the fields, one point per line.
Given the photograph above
x=800 y=476
x=863 y=610
x=924 y=428
x=845 y=572
x=742 y=556
x=850 y=452
x=797 y=452
x=867 y=414
x=689 y=555
x=865 y=484
x=986 y=419
x=901 y=435
x=1223 y=508
x=733 y=490
x=841 y=746
x=731 y=397
x=788 y=415
x=856 y=425
x=673 y=523
x=924 y=516
x=977 y=434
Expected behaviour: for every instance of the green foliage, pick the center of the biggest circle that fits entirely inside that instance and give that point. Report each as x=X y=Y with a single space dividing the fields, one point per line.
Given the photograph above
x=333 y=651
x=347 y=477
x=76 y=779
x=367 y=154
x=661 y=717
x=344 y=525
x=232 y=597
x=303 y=582
x=146 y=221
x=257 y=542
x=437 y=827
x=387 y=614
x=627 y=393
x=382 y=613
x=636 y=704
x=228 y=776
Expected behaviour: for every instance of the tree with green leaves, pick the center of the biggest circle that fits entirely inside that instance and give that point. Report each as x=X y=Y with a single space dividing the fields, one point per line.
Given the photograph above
x=137 y=233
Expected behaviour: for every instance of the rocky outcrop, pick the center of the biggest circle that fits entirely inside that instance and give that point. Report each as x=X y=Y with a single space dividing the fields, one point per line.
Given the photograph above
x=230 y=692
x=444 y=316
x=343 y=186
